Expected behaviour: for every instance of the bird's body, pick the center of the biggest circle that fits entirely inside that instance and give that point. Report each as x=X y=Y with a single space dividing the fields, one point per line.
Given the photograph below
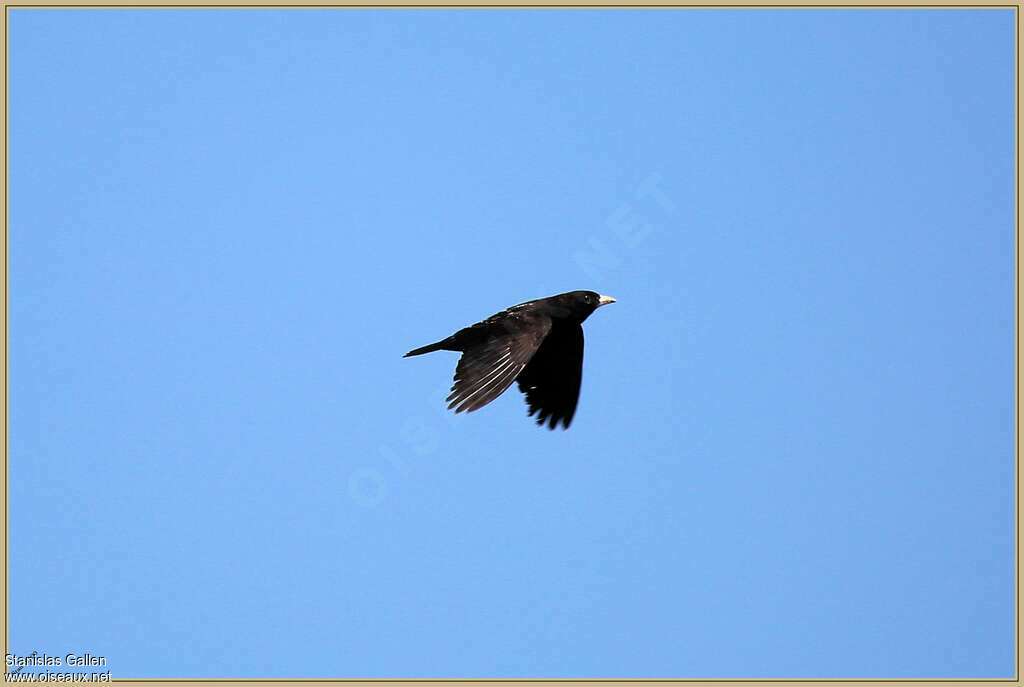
x=538 y=344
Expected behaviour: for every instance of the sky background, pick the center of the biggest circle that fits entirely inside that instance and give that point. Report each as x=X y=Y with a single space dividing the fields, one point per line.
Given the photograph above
x=793 y=454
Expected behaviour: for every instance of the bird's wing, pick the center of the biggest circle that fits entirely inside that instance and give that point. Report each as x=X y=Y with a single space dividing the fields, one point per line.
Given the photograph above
x=490 y=366
x=551 y=381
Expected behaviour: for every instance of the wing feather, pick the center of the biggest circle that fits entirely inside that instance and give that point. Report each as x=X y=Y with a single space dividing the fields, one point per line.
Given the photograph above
x=500 y=350
x=551 y=381
x=492 y=389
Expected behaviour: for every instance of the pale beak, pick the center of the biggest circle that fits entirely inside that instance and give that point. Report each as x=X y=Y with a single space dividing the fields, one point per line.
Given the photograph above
x=604 y=300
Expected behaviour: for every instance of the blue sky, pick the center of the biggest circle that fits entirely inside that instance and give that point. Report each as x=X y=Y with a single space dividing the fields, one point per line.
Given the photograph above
x=793 y=454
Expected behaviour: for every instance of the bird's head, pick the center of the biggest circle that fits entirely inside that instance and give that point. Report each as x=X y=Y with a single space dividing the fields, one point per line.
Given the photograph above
x=582 y=303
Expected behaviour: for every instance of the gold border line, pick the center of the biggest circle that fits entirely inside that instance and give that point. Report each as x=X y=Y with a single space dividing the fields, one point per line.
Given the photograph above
x=582 y=4
x=6 y=515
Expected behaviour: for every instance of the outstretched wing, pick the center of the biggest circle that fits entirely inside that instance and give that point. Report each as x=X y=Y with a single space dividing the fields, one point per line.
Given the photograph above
x=504 y=345
x=551 y=380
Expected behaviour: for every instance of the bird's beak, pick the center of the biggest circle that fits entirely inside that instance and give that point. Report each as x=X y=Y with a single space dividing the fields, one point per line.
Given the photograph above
x=604 y=300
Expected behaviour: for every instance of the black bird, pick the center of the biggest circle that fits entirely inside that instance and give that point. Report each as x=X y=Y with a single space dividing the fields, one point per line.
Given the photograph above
x=538 y=344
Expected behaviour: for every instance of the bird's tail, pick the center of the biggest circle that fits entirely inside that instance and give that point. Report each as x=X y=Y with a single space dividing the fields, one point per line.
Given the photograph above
x=439 y=346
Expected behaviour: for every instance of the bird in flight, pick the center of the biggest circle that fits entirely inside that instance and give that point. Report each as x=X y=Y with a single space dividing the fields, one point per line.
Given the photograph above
x=538 y=344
